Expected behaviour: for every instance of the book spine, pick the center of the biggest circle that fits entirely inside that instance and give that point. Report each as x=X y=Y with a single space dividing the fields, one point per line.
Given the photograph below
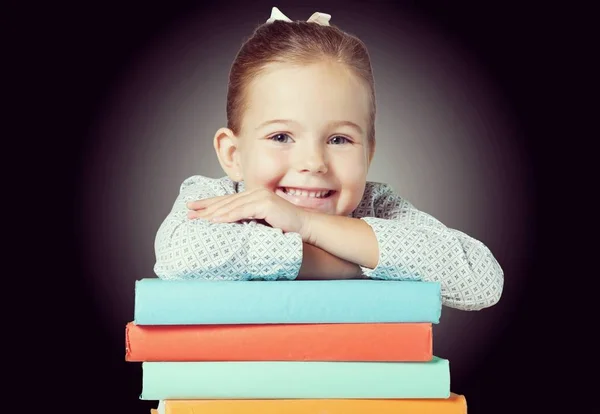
x=455 y=404
x=160 y=302
x=302 y=342
x=295 y=380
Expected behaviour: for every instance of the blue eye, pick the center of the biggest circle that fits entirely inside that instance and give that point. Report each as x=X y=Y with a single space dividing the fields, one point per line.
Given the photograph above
x=338 y=139
x=283 y=138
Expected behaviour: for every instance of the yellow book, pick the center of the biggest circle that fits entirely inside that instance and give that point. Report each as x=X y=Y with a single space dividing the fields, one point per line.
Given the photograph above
x=456 y=404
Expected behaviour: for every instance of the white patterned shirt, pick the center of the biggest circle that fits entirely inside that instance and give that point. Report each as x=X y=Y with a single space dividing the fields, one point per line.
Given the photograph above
x=412 y=246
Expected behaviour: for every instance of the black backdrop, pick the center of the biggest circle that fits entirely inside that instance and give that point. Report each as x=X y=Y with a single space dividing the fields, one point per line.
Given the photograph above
x=66 y=56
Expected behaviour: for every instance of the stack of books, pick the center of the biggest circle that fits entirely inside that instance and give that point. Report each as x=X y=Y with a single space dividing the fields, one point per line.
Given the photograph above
x=293 y=347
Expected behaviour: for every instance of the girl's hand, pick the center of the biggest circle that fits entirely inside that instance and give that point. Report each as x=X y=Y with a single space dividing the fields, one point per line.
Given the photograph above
x=258 y=204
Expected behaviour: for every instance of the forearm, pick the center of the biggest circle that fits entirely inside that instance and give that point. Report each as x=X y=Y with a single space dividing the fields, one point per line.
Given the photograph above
x=424 y=249
x=317 y=264
x=197 y=249
x=470 y=276
x=347 y=238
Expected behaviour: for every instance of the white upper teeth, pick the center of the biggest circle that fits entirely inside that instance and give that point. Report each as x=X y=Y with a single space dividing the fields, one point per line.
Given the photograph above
x=305 y=193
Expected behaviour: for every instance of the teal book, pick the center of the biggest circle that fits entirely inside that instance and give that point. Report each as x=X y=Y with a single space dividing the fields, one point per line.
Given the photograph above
x=202 y=302
x=295 y=380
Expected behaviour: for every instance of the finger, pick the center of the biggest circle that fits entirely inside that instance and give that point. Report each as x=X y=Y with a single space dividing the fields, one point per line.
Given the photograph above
x=226 y=205
x=205 y=202
x=193 y=214
x=226 y=208
x=241 y=211
x=207 y=209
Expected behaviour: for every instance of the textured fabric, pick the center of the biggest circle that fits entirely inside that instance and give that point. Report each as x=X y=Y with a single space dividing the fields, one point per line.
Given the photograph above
x=199 y=249
x=413 y=245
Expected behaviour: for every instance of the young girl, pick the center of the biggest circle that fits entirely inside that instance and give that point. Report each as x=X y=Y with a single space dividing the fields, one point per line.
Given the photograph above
x=295 y=203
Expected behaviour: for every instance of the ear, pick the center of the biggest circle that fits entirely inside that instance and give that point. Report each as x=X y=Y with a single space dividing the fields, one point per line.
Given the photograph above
x=226 y=146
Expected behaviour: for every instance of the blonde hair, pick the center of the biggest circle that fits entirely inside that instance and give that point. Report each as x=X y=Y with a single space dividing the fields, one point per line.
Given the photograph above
x=296 y=43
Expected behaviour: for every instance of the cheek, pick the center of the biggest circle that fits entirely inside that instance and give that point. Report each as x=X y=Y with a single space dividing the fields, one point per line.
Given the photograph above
x=265 y=168
x=351 y=171
x=352 y=175
x=356 y=176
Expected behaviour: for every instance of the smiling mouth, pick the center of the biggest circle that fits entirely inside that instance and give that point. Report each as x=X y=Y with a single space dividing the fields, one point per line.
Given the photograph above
x=299 y=192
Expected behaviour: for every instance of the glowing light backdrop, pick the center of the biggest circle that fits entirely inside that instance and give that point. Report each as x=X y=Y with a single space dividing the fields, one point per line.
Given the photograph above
x=446 y=140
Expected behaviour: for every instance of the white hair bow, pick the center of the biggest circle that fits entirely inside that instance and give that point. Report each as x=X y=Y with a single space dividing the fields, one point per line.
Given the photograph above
x=319 y=18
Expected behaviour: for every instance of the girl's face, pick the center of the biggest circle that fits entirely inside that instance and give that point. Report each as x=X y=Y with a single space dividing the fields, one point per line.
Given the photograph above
x=304 y=136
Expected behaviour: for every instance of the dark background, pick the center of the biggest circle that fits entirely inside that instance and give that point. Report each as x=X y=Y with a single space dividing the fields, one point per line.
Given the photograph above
x=66 y=57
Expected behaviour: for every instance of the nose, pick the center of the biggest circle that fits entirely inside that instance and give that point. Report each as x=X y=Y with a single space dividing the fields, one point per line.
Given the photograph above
x=312 y=160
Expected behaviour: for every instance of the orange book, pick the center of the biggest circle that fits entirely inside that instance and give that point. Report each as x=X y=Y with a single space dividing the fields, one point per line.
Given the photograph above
x=284 y=342
x=456 y=404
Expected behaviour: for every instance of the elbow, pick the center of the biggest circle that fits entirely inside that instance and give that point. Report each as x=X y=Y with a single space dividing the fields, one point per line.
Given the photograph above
x=168 y=268
x=491 y=298
x=218 y=269
x=168 y=264
x=491 y=283
x=492 y=292
x=488 y=296
x=194 y=263
x=178 y=258
x=475 y=304
x=497 y=293
x=168 y=271
x=496 y=287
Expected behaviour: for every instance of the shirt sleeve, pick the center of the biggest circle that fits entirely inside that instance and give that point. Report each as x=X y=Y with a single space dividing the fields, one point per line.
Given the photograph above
x=413 y=245
x=199 y=249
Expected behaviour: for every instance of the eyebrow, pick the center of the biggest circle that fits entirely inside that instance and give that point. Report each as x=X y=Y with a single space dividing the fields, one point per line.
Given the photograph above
x=333 y=124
